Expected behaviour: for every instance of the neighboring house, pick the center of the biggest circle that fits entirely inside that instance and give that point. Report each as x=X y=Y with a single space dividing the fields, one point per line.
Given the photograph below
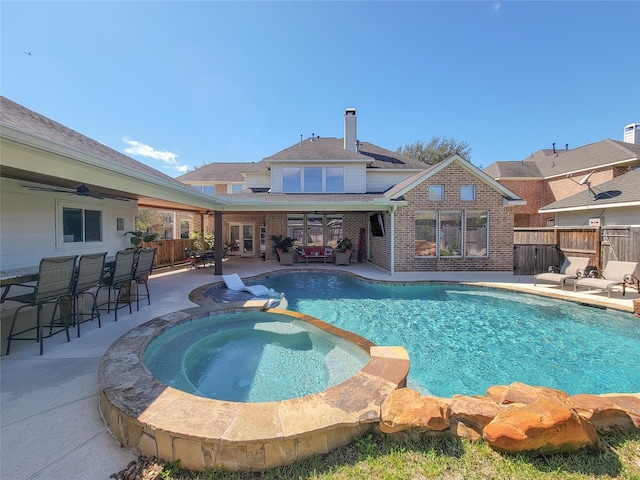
x=63 y=193
x=217 y=178
x=616 y=202
x=549 y=176
x=400 y=214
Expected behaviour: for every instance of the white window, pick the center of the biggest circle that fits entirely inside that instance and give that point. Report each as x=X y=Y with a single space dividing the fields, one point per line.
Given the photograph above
x=436 y=193
x=206 y=189
x=81 y=225
x=334 y=179
x=468 y=192
x=291 y=179
x=312 y=179
x=236 y=188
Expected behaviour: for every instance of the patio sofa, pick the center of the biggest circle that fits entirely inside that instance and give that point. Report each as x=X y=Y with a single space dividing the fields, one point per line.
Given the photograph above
x=315 y=253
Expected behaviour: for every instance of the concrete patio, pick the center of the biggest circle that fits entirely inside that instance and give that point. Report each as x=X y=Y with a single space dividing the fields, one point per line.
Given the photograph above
x=50 y=422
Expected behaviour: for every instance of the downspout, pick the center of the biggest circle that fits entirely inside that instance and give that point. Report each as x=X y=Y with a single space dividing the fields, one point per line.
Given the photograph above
x=393 y=242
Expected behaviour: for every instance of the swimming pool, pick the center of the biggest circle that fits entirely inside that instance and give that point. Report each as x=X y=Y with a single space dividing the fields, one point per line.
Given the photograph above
x=463 y=339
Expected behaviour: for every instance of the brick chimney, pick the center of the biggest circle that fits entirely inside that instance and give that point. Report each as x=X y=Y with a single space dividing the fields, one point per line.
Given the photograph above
x=350 y=134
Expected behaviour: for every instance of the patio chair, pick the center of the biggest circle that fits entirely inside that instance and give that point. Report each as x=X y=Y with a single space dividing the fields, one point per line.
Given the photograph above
x=88 y=277
x=616 y=273
x=570 y=270
x=234 y=282
x=141 y=273
x=118 y=278
x=55 y=281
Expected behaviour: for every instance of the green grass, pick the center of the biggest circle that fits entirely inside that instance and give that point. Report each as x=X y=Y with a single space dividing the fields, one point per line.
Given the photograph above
x=381 y=457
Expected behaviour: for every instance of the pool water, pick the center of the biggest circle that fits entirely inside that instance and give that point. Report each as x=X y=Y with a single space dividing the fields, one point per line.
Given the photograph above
x=463 y=339
x=251 y=357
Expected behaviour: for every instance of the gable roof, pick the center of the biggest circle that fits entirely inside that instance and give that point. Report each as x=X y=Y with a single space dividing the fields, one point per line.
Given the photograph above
x=222 y=172
x=622 y=191
x=548 y=163
x=410 y=183
x=324 y=149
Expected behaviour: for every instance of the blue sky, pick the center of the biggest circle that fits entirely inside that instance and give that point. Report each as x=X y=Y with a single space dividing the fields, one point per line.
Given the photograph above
x=179 y=84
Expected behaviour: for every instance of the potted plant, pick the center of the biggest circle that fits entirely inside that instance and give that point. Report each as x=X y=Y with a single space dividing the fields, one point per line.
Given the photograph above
x=343 y=257
x=282 y=246
x=139 y=238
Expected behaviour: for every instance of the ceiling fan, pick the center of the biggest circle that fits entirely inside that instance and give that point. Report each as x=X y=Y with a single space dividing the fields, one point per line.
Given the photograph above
x=81 y=190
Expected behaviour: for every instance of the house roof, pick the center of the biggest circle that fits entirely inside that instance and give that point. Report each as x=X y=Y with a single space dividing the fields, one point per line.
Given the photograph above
x=324 y=149
x=68 y=158
x=221 y=172
x=397 y=191
x=549 y=163
x=21 y=118
x=622 y=191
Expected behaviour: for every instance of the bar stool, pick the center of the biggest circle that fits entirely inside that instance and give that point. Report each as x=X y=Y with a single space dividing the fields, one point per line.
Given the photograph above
x=118 y=278
x=55 y=281
x=89 y=276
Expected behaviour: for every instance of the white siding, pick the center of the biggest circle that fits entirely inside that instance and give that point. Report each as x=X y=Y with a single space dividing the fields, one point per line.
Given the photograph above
x=276 y=178
x=381 y=181
x=258 y=180
x=28 y=225
x=355 y=178
x=612 y=216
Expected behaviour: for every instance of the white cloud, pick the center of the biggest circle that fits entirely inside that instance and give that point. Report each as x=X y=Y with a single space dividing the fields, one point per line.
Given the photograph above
x=168 y=159
x=496 y=6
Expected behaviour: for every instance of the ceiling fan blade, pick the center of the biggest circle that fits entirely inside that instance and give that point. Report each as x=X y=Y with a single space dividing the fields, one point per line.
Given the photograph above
x=82 y=191
x=49 y=189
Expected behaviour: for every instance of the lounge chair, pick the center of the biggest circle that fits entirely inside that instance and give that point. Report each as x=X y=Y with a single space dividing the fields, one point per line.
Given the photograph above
x=234 y=282
x=615 y=273
x=569 y=270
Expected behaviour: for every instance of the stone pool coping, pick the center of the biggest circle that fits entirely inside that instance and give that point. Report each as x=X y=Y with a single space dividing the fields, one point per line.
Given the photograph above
x=151 y=418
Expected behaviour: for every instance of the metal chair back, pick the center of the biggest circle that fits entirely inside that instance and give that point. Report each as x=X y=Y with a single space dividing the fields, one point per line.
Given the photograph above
x=123 y=267
x=55 y=278
x=90 y=271
x=145 y=262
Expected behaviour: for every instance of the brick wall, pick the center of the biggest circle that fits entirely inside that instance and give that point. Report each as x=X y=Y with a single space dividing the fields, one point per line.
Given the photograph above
x=500 y=256
x=257 y=219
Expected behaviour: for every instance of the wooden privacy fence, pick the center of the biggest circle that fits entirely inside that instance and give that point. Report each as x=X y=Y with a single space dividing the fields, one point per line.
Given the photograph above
x=171 y=252
x=535 y=249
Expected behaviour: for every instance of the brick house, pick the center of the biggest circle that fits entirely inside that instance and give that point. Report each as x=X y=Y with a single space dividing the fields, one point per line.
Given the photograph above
x=400 y=214
x=551 y=175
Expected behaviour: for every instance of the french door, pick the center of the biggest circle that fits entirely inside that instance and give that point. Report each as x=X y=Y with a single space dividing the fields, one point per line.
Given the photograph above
x=242 y=239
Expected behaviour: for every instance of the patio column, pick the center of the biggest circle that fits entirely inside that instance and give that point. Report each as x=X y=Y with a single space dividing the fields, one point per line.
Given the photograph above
x=217 y=242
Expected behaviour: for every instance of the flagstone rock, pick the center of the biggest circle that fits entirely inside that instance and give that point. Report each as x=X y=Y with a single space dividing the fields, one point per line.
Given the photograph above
x=474 y=411
x=544 y=426
x=602 y=412
x=630 y=404
x=404 y=409
x=526 y=394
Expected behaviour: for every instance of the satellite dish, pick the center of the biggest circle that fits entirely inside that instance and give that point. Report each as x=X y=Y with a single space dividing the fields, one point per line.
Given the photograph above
x=585 y=179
